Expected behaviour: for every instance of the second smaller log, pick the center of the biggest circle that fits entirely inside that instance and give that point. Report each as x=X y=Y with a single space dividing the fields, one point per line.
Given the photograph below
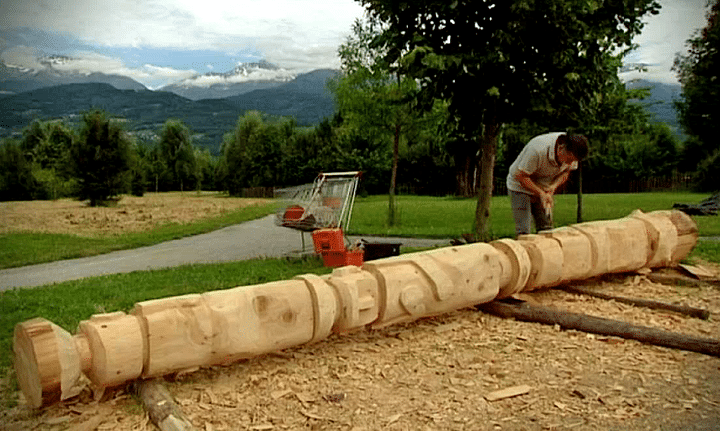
x=599 y=325
x=654 y=305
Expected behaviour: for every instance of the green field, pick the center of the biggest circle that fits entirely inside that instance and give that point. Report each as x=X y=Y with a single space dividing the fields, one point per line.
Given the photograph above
x=449 y=217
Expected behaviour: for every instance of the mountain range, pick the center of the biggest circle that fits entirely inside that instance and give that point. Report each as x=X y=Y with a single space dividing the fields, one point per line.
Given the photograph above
x=244 y=78
x=660 y=102
x=209 y=104
x=20 y=79
x=304 y=97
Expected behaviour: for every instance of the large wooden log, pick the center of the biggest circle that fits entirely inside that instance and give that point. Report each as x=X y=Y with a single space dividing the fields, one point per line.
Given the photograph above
x=173 y=334
x=598 y=325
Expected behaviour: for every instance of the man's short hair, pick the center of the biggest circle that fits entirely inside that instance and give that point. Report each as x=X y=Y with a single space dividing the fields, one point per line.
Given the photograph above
x=577 y=145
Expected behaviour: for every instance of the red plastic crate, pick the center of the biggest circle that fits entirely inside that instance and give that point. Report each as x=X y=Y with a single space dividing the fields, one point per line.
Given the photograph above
x=336 y=259
x=328 y=240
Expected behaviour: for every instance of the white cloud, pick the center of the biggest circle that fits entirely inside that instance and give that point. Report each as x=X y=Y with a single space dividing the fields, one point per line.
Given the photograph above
x=195 y=25
x=166 y=73
x=664 y=36
x=21 y=56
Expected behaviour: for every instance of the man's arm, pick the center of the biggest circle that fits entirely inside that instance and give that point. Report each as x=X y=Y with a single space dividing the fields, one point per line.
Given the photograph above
x=558 y=182
x=529 y=184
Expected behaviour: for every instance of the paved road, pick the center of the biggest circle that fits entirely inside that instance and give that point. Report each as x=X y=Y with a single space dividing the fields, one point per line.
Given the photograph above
x=257 y=238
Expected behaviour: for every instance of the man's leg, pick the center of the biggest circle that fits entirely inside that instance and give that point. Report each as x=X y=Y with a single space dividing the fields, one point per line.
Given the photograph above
x=543 y=219
x=520 y=204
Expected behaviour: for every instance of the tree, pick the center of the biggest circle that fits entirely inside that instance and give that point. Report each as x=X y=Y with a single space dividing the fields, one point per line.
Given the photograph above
x=252 y=152
x=698 y=107
x=102 y=158
x=178 y=154
x=16 y=179
x=500 y=62
x=372 y=98
x=46 y=145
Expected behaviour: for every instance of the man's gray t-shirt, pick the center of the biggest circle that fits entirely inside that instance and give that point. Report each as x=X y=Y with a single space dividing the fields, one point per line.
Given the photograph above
x=537 y=159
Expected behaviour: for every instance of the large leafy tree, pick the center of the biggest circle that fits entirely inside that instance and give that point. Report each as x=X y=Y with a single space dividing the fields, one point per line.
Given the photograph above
x=46 y=145
x=373 y=99
x=252 y=152
x=16 y=179
x=178 y=154
x=698 y=108
x=101 y=158
x=496 y=62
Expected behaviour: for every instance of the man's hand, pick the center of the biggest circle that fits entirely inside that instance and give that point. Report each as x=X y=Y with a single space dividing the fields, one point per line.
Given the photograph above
x=545 y=195
x=546 y=198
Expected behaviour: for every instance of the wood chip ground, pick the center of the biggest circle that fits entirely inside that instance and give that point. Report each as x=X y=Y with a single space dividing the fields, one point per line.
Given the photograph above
x=434 y=374
x=438 y=374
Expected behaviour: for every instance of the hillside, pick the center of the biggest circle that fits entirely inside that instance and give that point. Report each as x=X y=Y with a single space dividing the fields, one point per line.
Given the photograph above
x=660 y=102
x=144 y=109
x=305 y=98
x=14 y=80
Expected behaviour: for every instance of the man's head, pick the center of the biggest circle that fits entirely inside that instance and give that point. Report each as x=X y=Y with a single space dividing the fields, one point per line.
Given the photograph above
x=572 y=148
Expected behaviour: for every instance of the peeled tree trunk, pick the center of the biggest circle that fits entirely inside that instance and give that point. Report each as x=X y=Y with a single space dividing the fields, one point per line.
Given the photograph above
x=488 y=149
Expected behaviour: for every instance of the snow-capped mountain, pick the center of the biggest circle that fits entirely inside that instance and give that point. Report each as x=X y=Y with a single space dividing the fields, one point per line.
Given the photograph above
x=53 y=70
x=245 y=77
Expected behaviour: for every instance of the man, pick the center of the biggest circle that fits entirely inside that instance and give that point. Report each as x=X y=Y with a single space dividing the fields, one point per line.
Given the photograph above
x=539 y=170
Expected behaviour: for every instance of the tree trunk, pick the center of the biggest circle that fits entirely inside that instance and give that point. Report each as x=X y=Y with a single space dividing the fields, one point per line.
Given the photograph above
x=488 y=148
x=465 y=166
x=393 y=177
x=579 y=194
x=599 y=325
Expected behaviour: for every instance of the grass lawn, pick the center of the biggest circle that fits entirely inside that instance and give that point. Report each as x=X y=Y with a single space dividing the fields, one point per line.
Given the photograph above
x=449 y=217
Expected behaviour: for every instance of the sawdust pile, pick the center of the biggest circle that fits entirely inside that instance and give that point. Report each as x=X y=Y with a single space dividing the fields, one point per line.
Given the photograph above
x=440 y=373
x=132 y=214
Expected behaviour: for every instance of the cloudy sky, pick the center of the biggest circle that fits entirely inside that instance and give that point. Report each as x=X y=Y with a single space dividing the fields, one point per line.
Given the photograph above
x=664 y=35
x=161 y=41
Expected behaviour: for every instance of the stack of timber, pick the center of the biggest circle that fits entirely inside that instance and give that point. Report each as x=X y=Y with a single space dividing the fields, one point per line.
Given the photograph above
x=169 y=335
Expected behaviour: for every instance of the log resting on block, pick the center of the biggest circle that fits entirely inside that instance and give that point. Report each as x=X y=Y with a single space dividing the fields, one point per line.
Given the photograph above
x=175 y=334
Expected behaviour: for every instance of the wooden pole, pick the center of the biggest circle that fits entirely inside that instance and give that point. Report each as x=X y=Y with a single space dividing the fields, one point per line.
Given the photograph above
x=166 y=335
x=599 y=325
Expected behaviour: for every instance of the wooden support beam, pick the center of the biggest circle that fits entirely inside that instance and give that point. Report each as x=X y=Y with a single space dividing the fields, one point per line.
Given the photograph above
x=655 y=305
x=599 y=325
